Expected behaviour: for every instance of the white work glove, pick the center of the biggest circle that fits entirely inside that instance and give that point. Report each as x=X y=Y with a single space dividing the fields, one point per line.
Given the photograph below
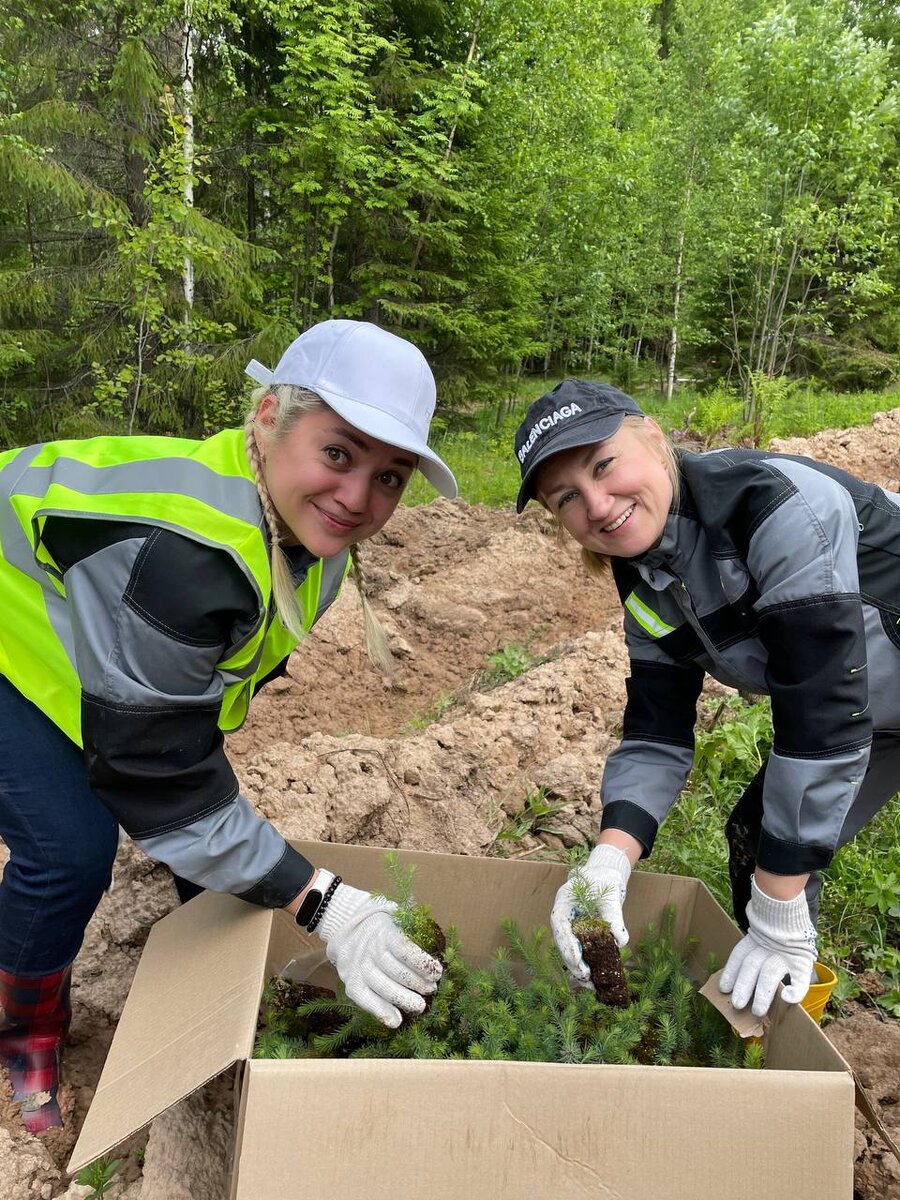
x=608 y=870
x=381 y=969
x=781 y=941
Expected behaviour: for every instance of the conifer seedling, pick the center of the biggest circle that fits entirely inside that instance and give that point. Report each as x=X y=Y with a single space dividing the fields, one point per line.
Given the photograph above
x=520 y=1007
x=598 y=946
x=415 y=920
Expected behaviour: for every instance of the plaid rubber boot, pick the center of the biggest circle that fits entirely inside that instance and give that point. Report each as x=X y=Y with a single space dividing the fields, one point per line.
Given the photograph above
x=34 y=1019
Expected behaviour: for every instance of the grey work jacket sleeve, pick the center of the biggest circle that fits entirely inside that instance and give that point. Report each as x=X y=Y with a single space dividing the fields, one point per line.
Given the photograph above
x=149 y=616
x=803 y=557
x=644 y=775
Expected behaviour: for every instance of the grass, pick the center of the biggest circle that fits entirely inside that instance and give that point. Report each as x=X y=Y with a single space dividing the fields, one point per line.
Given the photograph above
x=442 y=704
x=859 y=912
x=478 y=448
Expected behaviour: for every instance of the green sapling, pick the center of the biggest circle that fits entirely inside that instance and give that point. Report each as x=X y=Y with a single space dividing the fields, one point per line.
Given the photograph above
x=598 y=946
x=415 y=920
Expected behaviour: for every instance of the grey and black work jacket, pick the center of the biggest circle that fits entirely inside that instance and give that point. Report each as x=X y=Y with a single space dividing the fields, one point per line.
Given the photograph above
x=781 y=576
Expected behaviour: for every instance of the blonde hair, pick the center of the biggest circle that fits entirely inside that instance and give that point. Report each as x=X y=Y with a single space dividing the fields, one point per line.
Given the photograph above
x=292 y=403
x=601 y=564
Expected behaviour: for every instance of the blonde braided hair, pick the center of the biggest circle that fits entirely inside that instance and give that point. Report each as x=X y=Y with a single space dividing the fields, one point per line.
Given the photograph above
x=293 y=402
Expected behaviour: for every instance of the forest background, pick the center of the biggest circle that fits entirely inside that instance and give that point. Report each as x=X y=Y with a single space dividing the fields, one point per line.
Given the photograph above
x=701 y=190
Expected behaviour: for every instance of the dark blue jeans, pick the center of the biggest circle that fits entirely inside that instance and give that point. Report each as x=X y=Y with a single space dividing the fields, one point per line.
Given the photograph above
x=61 y=839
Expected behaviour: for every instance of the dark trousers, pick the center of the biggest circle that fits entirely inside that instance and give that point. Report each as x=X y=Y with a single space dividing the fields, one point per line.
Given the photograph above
x=61 y=838
x=742 y=830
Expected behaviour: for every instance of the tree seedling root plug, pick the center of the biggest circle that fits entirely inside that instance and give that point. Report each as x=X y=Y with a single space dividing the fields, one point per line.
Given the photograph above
x=415 y=920
x=598 y=946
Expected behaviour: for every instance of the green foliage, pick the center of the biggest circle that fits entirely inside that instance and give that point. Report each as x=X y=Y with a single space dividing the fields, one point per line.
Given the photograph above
x=415 y=920
x=535 y=816
x=859 y=909
x=732 y=748
x=586 y=899
x=543 y=188
x=506 y=664
x=490 y=1013
x=439 y=707
x=784 y=408
x=98 y=1175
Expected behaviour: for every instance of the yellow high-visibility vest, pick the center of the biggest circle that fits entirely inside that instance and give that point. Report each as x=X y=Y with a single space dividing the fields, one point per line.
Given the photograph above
x=202 y=489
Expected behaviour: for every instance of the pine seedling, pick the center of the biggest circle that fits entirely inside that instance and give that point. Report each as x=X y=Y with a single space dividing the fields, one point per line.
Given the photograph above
x=415 y=920
x=570 y=1048
x=359 y=1027
x=531 y=950
x=668 y=1040
x=598 y=946
x=753 y=1055
x=482 y=1013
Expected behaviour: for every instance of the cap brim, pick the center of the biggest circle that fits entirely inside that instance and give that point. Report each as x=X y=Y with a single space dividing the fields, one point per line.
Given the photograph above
x=593 y=429
x=384 y=427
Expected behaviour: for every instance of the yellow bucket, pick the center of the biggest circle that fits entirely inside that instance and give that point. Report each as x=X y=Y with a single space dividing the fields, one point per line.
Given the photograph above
x=817 y=997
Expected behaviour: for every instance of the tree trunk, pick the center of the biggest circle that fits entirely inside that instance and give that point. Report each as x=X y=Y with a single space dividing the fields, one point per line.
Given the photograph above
x=332 y=246
x=451 y=136
x=550 y=331
x=676 y=304
x=187 y=95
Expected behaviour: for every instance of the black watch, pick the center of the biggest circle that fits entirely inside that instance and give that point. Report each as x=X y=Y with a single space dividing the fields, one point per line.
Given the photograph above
x=313 y=901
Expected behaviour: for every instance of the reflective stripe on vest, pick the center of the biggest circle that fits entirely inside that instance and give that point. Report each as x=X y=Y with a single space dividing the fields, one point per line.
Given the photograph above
x=647 y=618
x=204 y=490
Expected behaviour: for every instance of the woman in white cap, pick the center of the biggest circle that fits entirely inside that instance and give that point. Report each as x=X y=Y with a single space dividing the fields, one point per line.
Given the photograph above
x=775 y=574
x=150 y=586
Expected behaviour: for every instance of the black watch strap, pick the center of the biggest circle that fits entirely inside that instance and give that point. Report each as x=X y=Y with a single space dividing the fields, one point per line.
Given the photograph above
x=316 y=900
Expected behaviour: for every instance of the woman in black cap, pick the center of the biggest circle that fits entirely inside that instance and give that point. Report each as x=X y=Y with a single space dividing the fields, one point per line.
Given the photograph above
x=775 y=574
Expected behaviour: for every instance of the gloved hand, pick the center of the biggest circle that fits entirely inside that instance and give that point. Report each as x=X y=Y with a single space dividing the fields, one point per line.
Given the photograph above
x=381 y=969
x=781 y=941
x=608 y=870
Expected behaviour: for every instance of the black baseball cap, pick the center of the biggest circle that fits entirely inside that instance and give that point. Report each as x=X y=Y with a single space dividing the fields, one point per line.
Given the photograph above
x=575 y=413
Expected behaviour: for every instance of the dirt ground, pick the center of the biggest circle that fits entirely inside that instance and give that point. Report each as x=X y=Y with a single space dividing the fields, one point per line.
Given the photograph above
x=427 y=760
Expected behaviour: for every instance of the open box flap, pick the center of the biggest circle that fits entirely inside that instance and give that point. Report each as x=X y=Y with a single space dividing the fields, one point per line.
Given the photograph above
x=190 y=1014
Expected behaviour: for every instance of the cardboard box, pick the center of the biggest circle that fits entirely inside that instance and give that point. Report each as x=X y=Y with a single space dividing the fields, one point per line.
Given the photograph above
x=467 y=1130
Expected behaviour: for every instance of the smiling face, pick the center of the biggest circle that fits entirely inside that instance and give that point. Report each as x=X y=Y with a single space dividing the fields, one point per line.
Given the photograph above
x=330 y=484
x=612 y=496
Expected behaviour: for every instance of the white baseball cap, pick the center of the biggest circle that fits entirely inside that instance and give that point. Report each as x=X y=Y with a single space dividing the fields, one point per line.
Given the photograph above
x=377 y=381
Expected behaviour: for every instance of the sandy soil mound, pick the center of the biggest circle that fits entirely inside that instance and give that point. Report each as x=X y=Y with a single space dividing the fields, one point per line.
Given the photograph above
x=452 y=584
x=871 y=452
x=431 y=760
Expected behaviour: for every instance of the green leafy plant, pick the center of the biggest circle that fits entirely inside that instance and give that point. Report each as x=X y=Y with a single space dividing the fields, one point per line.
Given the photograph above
x=99 y=1176
x=506 y=664
x=534 y=817
x=441 y=705
x=859 y=921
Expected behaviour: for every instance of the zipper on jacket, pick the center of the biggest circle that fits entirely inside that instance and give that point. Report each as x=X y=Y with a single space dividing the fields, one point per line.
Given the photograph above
x=682 y=598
